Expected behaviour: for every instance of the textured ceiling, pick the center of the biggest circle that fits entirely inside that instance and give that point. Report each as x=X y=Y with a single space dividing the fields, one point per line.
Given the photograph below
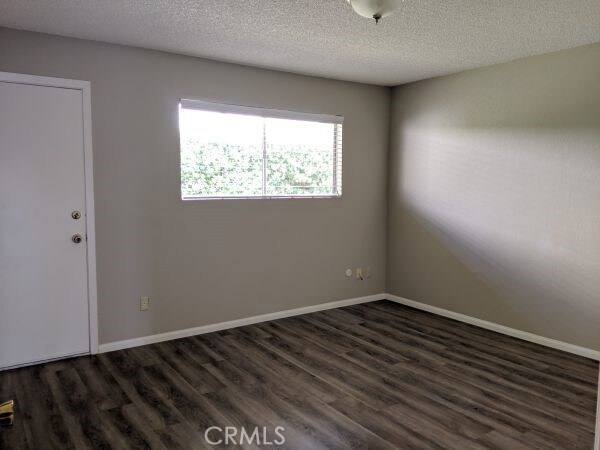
x=425 y=38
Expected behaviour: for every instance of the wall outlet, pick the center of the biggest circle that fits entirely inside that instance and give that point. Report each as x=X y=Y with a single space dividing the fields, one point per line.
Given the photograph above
x=144 y=303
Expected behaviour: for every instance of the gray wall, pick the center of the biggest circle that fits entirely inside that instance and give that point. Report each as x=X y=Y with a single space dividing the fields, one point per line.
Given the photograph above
x=210 y=261
x=494 y=192
x=494 y=195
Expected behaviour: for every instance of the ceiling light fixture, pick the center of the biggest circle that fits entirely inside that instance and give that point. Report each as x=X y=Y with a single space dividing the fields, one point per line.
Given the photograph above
x=374 y=9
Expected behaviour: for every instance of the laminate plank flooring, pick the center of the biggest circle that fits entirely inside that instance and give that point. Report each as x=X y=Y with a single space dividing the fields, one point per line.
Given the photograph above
x=378 y=375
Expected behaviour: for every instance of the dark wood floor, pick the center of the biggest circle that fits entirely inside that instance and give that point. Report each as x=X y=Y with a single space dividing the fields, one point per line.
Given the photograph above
x=377 y=375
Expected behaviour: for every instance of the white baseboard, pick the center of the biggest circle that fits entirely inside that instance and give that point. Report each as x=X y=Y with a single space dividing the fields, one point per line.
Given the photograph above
x=552 y=343
x=136 y=342
x=536 y=339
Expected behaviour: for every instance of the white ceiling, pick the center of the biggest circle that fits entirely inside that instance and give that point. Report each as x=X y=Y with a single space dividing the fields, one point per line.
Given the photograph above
x=425 y=38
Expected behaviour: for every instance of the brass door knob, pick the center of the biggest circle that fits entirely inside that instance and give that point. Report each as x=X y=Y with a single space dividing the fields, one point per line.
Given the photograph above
x=76 y=215
x=76 y=238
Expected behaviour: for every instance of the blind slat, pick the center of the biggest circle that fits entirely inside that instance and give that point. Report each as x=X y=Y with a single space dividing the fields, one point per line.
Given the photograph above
x=260 y=112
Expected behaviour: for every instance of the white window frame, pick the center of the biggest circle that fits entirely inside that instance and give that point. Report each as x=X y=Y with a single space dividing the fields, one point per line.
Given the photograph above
x=204 y=105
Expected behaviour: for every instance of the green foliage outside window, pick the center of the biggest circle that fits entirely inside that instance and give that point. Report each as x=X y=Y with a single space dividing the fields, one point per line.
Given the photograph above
x=222 y=170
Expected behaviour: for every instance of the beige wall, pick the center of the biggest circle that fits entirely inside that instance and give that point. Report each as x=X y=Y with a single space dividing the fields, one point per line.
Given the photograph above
x=494 y=192
x=494 y=195
x=210 y=261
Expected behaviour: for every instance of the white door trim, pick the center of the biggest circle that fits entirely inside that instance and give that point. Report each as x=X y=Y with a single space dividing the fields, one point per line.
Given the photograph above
x=85 y=88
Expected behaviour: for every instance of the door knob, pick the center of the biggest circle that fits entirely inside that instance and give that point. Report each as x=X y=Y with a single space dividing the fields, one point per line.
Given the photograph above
x=76 y=238
x=76 y=215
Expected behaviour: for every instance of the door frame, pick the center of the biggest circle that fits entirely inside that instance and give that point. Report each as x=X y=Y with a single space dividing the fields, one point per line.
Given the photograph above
x=85 y=88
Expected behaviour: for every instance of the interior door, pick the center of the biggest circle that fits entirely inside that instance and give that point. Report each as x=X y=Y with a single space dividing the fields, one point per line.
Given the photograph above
x=43 y=260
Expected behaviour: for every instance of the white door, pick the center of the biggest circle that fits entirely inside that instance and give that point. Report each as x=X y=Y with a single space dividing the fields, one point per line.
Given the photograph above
x=43 y=269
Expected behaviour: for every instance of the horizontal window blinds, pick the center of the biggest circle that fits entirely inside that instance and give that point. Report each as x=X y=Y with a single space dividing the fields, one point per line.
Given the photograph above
x=261 y=112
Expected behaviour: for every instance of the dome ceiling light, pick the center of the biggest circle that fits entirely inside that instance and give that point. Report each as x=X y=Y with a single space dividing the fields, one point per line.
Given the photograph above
x=375 y=9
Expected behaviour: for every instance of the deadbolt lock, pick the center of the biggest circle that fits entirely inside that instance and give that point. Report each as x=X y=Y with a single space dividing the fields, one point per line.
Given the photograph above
x=76 y=215
x=76 y=238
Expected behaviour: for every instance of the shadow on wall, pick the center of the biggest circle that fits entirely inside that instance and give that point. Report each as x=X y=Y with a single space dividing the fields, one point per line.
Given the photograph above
x=500 y=223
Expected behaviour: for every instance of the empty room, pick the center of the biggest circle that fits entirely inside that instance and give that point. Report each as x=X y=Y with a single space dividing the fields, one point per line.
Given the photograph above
x=299 y=224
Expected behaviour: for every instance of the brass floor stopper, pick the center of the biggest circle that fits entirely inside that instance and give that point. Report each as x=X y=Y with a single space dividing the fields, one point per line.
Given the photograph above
x=7 y=413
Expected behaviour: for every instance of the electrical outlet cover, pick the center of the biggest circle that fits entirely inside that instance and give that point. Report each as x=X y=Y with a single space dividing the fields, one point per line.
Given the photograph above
x=144 y=303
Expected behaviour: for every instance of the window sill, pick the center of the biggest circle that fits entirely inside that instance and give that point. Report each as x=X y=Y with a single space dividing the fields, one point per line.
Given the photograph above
x=263 y=197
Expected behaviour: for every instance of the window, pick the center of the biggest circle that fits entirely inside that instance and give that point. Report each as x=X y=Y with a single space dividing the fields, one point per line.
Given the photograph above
x=232 y=151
